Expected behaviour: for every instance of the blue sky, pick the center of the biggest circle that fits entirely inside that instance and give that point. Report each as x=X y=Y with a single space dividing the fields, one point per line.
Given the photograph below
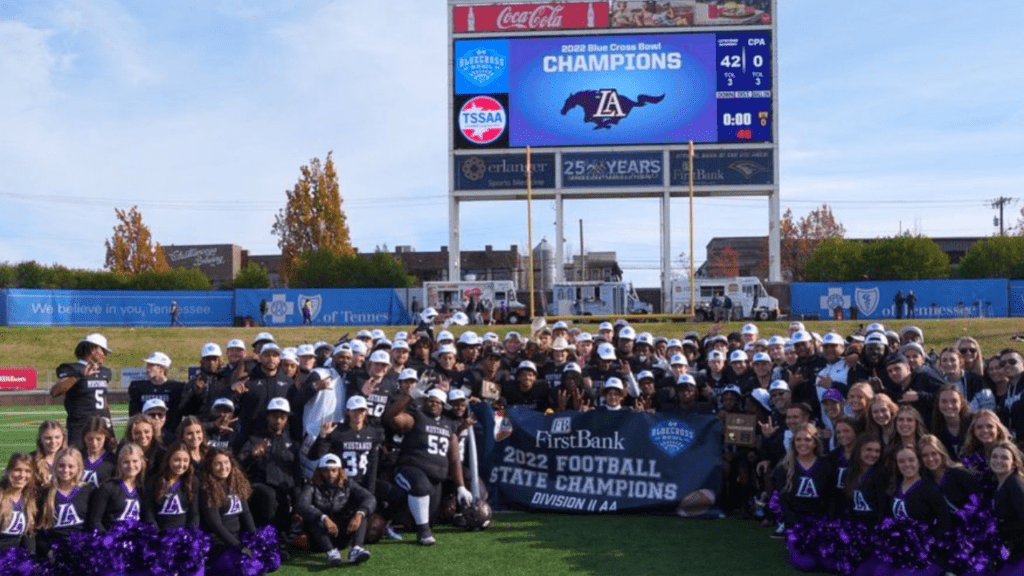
x=898 y=115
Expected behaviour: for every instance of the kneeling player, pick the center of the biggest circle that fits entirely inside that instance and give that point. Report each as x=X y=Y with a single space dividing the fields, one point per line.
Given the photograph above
x=429 y=453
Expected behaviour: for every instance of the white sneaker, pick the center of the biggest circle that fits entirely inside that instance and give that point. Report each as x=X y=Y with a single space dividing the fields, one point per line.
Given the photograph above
x=334 y=557
x=358 y=555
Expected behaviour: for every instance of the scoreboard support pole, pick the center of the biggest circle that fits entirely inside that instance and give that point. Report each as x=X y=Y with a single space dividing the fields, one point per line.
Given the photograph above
x=454 y=250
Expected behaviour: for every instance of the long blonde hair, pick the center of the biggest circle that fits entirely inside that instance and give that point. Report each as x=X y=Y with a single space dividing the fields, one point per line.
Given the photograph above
x=974 y=446
x=49 y=511
x=124 y=452
x=789 y=462
x=28 y=494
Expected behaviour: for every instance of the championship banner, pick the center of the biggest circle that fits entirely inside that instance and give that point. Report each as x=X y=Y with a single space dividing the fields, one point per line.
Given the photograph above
x=607 y=461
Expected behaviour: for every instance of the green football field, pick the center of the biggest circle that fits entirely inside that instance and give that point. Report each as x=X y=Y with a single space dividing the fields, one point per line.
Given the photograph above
x=524 y=543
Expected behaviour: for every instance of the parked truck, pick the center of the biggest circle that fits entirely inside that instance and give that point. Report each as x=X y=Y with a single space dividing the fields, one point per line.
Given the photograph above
x=595 y=299
x=749 y=298
x=495 y=299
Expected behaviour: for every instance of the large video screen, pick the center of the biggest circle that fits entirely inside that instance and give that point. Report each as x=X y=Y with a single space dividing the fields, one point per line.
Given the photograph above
x=613 y=90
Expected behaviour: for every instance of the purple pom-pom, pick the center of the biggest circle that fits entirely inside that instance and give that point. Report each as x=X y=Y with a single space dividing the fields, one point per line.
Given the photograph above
x=17 y=561
x=264 y=555
x=905 y=543
x=775 y=506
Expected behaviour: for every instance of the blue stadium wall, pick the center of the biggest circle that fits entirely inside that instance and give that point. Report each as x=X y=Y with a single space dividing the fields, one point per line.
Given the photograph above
x=340 y=307
x=875 y=300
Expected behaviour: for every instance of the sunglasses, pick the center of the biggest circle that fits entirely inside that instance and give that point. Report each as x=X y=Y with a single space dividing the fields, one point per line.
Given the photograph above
x=1011 y=362
x=968 y=350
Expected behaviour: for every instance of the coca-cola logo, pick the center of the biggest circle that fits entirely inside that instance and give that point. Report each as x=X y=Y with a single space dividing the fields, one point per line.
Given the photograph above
x=543 y=16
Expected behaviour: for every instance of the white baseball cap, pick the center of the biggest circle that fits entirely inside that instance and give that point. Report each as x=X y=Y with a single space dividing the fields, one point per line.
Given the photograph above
x=833 y=338
x=263 y=336
x=99 y=340
x=225 y=402
x=796 y=326
x=445 y=336
x=572 y=367
x=341 y=349
x=377 y=334
x=778 y=385
x=584 y=337
x=686 y=379
x=329 y=461
x=235 y=343
x=322 y=344
x=305 y=350
x=716 y=355
x=513 y=335
x=279 y=405
x=800 y=336
x=762 y=357
x=627 y=332
x=469 y=338
x=438 y=394
x=738 y=356
x=401 y=335
x=159 y=358
x=455 y=395
x=732 y=388
x=679 y=360
x=356 y=403
x=560 y=344
x=560 y=325
x=428 y=314
x=400 y=345
x=605 y=351
x=605 y=326
x=876 y=338
x=749 y=329
x=290 y=355
x=408 y=374
x=645 y=338
x=210 y=349
x=380 y=357
x=644 y=374
x=875 y=327
x=364 y=334
x=445 y=349
x=270 y=347
x=357 y=347
x=526 y=365
x=490 y=337
x=153 y=403
x=612 y=383
x=776 y=341
x=674 y=343
x=318 y=374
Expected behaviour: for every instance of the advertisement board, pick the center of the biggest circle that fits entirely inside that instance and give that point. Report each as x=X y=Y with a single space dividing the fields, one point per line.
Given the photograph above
x=18 y=379
x=609 y=169
x=685 y=13
x=877 y=300
x=733 y=167
x=614 y=90
x=503 y=171
x=328 y=306
x=115 y=307
x=523 y=17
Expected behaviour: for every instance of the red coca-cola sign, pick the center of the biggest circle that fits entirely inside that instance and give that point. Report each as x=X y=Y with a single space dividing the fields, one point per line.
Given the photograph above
x=17 y=378
x=519 y=17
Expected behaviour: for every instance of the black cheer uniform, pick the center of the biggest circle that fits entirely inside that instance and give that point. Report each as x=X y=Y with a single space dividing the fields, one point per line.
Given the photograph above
x=112 y=502
x=226 y=522
x=179 y=507
x=811 y=491
x=95 y=472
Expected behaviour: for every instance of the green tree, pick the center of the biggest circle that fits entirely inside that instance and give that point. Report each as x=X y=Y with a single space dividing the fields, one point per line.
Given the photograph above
x=800 y=239
x=836 y=259
x=131 y=250
x=905 y=257
x=995 y=257
x=312 y=219
x=254 y=275
x=323 y=269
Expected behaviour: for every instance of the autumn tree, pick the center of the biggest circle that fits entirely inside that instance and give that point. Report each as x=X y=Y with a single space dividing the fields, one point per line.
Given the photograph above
x=801 y=238
x=312 y=220
x=724 y=263
x=132 y=250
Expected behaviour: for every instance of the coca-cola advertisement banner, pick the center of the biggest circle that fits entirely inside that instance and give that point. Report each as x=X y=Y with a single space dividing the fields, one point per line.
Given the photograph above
x=522 y=17
x=686 y=13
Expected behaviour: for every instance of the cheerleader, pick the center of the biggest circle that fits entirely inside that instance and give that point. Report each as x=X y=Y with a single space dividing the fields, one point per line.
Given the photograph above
x=1008 y=468
x=956 y=483
x=846 y=431
x=865 y=483
x=913 y=496
x=859 y=399
x=880 y=420
x=84 y=385
x=334 y=512
x=18 y=504
x=986 y=430
x=951 y=417
x=99 y=459
x=49 y=439
x=172 y=499
x=142 y=432
x=64 y=504
x=908 y=428
x=192 y=437
x=119 y=498
x=224 y=514
x=804 y=479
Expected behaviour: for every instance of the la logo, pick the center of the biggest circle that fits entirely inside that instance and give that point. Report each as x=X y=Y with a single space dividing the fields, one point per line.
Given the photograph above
x=859 y=503
x=807 y=488
x=17 y=525
x=90 y=477
x=899 y=508
x=236 y=506
x=131 y=510
x=67 y=516
x=609 y=106
x=172 y=506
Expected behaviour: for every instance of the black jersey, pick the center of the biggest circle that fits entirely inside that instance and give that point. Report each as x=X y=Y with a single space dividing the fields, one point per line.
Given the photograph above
x=922 y=501
x=377 y=398
x=840 y=464
x=96 y=471
x=958 y=485
x=251 y=407
x=12 y=532
x=179 y=508
x=171 y=392
x=868 y=496
x=1008 y=505
x=70 y=511
x=538 y=397
x=426 y=445
x=811 y=491
x=226 y=522
x=113 y=502
x=88 y=396
x=359 y=452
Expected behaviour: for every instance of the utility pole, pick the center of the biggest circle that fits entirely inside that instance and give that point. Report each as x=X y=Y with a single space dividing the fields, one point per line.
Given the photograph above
x=1000 y=203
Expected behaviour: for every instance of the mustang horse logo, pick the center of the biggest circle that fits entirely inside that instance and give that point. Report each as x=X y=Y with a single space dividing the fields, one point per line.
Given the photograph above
x=606 y=107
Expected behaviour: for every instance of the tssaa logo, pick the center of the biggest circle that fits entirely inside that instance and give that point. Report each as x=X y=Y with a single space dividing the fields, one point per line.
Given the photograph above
x=482 y=119
x=606 y=107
